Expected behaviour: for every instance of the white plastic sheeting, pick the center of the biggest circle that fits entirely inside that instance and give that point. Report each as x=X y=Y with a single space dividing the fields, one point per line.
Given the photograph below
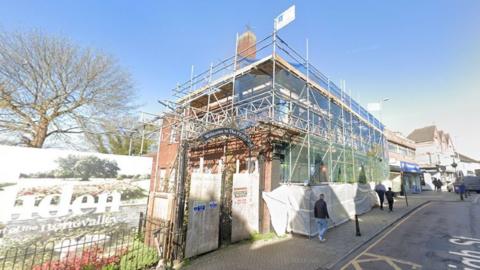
x=428 y=182
x=291 y=206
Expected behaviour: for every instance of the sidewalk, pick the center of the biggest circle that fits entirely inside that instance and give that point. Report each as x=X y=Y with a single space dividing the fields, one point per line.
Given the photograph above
x=298 y=252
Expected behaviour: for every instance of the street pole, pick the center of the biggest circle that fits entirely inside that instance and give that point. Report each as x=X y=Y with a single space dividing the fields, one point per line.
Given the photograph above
x=404 y=188
x=381 y=108
x=406 y=197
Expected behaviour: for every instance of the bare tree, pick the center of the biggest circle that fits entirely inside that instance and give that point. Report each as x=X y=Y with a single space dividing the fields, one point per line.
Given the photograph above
x=50 y=88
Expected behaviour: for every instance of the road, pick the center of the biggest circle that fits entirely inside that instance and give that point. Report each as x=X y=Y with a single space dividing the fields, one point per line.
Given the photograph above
x=438 y=235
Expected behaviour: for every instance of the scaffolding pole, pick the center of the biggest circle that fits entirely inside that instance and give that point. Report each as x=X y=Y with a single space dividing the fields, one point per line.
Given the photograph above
x=143 y=134
x=354 y=172
x=235 y=59
x=273 y=67
x=209 y=92
x=308 y=117
x=343 y=137
x=330 y=161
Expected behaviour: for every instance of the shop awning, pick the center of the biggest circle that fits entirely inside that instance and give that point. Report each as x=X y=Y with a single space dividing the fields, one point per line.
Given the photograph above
x=409 y=167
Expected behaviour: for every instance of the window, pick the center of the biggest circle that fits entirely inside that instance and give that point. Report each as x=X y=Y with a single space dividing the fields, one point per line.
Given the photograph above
x=173 y=134
x=392 y=147
x=161 y=179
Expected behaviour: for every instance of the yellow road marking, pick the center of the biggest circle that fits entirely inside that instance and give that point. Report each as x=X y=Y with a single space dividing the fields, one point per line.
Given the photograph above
x=365 y=252
x=392 y=259
x=369 y=260
x=356 y=266
x=393 y=262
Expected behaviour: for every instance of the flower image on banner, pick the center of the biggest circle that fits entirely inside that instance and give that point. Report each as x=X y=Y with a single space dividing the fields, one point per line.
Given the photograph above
x=56 y=195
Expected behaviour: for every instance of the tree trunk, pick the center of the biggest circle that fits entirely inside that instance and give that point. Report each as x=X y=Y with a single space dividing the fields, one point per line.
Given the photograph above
x=40 y=134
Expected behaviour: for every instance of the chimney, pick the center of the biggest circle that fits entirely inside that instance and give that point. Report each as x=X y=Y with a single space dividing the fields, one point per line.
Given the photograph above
x=246 y=45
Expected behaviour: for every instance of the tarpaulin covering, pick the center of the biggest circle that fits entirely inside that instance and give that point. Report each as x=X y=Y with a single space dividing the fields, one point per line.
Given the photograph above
x=291 y=206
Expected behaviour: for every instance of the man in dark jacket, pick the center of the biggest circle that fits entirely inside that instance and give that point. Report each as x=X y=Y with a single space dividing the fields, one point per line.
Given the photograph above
x=389 y=195
x=380 y=189
x=321 y=215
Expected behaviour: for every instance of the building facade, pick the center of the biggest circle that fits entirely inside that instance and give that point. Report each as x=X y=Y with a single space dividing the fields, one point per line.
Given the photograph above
x=308 y=137
x=435 y=153
x=405 y=173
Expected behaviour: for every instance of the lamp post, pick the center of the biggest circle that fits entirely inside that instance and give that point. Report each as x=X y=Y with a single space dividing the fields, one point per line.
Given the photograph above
x=381 y=108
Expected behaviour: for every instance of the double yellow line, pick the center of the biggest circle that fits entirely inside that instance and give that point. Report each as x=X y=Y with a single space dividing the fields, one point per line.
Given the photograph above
x=354 y=263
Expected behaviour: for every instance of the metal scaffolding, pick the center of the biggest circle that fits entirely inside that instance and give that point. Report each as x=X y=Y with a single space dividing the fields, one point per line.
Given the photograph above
x=321 y=134
x=332 y=137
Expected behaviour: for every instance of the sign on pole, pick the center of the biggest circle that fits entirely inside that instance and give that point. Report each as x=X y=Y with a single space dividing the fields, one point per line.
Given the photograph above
x=285 y=18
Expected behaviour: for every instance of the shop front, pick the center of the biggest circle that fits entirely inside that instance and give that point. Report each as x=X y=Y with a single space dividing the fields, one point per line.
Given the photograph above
x=411 y=177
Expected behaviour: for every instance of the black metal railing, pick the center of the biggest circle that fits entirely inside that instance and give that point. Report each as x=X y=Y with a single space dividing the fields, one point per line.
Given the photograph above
x=128 y=249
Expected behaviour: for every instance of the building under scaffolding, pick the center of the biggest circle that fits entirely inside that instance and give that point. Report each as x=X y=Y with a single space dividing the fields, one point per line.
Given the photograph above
x=326 y=135
x=305 y=128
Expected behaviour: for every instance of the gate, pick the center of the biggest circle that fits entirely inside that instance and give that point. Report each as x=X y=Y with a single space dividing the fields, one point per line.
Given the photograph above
x=203 y=211
x=209 y=209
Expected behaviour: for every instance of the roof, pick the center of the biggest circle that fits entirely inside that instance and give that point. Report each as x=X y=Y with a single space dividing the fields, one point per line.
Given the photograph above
x=398 y=138
x=425 y=134
x=464 y=158
x=224 y=88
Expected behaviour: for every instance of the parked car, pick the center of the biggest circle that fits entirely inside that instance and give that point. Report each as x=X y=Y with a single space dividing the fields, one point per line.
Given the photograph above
x=472 y=183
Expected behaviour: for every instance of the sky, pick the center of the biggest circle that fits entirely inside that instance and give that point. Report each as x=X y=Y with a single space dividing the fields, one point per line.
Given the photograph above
x=424 y=55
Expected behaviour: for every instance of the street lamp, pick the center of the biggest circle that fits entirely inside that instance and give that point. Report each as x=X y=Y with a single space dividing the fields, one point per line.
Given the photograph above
x=381 y=108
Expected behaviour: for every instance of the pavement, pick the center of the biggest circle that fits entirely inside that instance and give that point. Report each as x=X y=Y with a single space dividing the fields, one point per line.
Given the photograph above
x=438 y=235
x=299 y=252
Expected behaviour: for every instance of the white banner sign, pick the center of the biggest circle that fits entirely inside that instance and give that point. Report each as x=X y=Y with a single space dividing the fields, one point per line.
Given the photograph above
x=53 y=194
x=285 y=18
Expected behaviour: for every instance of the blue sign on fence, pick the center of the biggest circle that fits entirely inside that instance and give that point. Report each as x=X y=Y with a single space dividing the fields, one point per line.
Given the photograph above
x=409 y=167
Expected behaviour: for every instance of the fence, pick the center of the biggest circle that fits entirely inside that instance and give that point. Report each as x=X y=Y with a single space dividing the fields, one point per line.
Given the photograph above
x=132 y=249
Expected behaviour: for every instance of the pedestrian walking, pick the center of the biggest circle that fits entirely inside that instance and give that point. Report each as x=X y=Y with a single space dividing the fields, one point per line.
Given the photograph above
x=389 y=195
x=461 y=190
x=380 y=189
x=435 y=183
x=321 y=216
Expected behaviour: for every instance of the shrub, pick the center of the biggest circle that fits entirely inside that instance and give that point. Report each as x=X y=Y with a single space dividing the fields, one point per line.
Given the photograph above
x=90 y=259
x=139 y=257
x=362 y=177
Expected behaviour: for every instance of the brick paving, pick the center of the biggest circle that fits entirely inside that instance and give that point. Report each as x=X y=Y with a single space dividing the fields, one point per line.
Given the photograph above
x=299 y=252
